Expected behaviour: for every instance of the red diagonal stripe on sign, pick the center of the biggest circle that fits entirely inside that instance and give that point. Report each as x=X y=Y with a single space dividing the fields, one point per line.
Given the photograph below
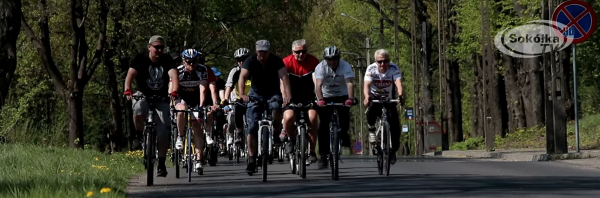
x=574 y=21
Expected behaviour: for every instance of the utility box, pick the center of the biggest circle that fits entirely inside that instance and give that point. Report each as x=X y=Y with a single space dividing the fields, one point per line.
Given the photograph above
x=433 y=135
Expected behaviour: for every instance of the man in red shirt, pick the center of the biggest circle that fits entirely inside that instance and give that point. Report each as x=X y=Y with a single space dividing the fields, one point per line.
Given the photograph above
x=300 y=66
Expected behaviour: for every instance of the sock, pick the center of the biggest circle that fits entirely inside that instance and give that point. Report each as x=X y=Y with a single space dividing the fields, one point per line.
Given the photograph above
x=161 y=162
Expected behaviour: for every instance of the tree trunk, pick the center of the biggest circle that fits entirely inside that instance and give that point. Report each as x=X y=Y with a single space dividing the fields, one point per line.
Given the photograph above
x=455 y=111
x=477 y=98
x=530 y=80
x=567 y=93
x=75 y=112
x=516 y=118
x=116 y=133
x=10 y=27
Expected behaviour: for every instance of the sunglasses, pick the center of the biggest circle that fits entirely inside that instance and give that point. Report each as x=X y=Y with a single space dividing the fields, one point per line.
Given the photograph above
x=242 y=59
x=158 y=47
x=383 y=61
x=331 y=59
x=300 y=52
x=191 y=61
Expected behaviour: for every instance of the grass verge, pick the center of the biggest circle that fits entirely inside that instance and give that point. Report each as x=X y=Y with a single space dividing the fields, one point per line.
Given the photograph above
x=35 y=171
x=535 y=138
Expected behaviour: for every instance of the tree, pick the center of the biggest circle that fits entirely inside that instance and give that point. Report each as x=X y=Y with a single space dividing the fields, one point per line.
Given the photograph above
x=81 y=69
x=10 y=27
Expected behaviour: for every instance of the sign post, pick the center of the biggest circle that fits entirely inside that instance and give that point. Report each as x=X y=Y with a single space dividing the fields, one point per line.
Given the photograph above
x=579 y=19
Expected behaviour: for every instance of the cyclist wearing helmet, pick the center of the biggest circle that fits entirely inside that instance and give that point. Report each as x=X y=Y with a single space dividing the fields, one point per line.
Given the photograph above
x=334 y=78
x=192 y=93
x=237 y=122
x=151 y=71
x=380 y=79
x=220 y=115
x=300 y=67
x=266 y=71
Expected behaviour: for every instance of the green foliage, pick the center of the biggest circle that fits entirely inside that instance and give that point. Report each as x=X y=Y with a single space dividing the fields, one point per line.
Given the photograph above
x=523 y=138
x=33 y=171
x=474 y=143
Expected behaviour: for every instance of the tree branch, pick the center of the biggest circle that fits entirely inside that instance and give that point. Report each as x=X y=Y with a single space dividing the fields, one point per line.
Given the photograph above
x=101 y=41
x=43 y=51
x=386 y=18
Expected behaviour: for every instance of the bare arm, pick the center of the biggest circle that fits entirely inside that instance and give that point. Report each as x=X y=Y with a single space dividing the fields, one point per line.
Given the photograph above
x=283 y=75
x=350 y=85
x=221 y=94
x=174 y=79
x=398 y=83
x=319 y=88
x=131 y=73
x=202 y=92
x=213 y=91
x=366 y=86
x=227 y=93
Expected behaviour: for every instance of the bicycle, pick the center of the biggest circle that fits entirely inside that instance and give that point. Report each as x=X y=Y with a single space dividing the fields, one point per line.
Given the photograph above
x=189 y=147
x=149 y=141
x=236 y=150
x=335 y=141
x=211 y=152
x=265 y=138
x=175 y=154
x=298 y=161
x=384 y=150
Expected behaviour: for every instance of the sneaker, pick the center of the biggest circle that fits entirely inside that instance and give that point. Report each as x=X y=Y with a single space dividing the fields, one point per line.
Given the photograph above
x=230 y=139
x=199 y=165
x=222 y=153
x=251 y=165
x=393 y=158
x=372 y=137
x=209 y=140
x=162 y=172
x=283 y=136
x=323 y=162
x=312 y=157
x=179 y=143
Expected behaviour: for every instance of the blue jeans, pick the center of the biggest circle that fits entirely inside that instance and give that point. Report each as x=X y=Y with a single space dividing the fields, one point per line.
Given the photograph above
x=255 y=109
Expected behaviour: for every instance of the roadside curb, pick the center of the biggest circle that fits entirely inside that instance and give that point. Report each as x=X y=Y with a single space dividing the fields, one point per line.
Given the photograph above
x=516 y=155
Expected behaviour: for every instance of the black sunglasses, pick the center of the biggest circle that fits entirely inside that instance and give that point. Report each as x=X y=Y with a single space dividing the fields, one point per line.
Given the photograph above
x=300 y=51
x=191 y=61
x=241 y=59
x=158 y=47
x=383 y=61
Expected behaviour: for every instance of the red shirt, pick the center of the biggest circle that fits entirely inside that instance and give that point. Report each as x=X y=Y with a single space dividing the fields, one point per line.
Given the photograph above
x=300 y=68
x=300 y=73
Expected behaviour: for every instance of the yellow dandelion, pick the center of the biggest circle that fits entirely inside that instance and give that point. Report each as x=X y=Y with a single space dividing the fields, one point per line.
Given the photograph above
x=132 y=166
x=90 y=193
x=96 y=158
x=105 y=190
x=62 y=171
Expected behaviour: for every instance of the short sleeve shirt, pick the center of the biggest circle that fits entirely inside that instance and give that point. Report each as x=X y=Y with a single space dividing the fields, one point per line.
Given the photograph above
x=232 y=80
x=301 y=77
x=265 y=78
x=334 y=82
x=189 y=85
x=152 y=78
x=209 y=76
x=382 y=83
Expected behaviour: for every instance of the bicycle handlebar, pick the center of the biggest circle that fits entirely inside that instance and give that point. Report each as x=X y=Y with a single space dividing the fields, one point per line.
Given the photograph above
x=386 y=101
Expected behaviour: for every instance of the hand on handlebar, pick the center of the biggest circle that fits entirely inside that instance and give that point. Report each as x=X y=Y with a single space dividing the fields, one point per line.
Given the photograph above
x=321 y=103
x=402 y=100
x=366 y=101
x=128 y=94
x=245 y=98
x=286 y=101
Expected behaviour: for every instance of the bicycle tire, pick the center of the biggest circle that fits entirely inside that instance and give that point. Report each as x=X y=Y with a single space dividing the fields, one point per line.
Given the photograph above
x=380 y=163
x=335 y=151
x=265 y=151
x=303 y=152
x=150 y=154
x=177 y=166
x=387 y=148
x=190 y=167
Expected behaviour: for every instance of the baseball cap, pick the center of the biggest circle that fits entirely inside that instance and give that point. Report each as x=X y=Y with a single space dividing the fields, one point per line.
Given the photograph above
x=217 y=72
x=157 y=38
x=262 y=45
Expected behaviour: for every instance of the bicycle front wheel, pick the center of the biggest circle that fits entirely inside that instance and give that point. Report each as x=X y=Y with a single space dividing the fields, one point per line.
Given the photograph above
x=335 y=152
x=265 y=151
x=150 y=154
x=387 y=148
x=303 y=152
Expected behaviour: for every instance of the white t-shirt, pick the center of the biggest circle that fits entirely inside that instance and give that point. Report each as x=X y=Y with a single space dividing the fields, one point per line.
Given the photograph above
x=383 y=83
x=334 y=82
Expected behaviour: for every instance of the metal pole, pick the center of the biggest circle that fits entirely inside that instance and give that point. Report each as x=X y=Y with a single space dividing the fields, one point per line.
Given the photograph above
x=575 y=97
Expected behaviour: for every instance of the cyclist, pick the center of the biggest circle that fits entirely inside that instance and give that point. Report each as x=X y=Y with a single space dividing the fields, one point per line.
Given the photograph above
x=237 y=122
x=265 y=70
x=334 y=82
x=380 y=79
x=300 y=66
x=220 y=114
x=151 y=71
x=211 y=96
x=192 y=93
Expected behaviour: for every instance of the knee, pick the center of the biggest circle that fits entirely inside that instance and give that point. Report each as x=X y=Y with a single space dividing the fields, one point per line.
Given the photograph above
x=288 y=116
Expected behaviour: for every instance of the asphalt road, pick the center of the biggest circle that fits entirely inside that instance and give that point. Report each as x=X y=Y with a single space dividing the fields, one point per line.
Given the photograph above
x=410 y=177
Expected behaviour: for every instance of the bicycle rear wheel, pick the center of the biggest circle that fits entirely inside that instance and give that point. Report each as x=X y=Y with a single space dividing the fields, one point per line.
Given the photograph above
x=150 y=154
x=387 y=148
x=265 y=151
x=335 y=152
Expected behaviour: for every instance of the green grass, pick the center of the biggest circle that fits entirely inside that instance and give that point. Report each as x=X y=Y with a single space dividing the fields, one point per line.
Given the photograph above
x=35 y=171
x=535 y=138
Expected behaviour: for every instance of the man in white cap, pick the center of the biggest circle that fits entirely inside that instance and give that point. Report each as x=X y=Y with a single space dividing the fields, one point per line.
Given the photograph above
x=265 y=70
